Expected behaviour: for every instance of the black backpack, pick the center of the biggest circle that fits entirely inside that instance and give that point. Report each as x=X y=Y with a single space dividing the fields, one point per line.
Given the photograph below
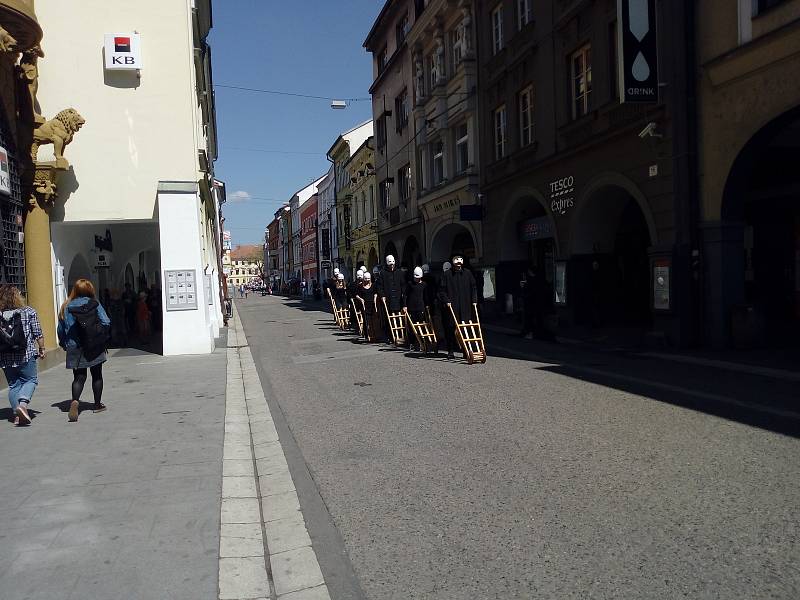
x=93 y=335
x=12 y=334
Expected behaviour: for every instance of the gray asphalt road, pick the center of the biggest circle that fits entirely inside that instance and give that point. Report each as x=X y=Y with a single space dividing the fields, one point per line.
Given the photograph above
x=549 y=472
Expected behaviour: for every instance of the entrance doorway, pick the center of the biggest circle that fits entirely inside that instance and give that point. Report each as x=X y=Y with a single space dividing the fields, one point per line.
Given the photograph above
x=610 y=266
x=451 y=239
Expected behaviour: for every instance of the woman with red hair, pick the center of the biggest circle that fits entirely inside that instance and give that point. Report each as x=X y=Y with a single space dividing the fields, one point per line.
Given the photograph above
x=83 y=331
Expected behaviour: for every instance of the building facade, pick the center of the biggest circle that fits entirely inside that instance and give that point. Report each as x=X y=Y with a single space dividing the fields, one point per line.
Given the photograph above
x=360 y=171
x=272 y=267
x=339 y=153
x=327 y=244
x=445 y=120
x=246 y=268
x=26 y=265
x=139 y=212
x=308 y=241
x=285 y=243
x=748 y=64
x=400 y=227
x=593 y=193
x=296 y=206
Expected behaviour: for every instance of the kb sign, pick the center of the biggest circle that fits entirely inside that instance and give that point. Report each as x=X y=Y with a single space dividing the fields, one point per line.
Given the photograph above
x=638 y=51
x=123 y=52
x=5 y=172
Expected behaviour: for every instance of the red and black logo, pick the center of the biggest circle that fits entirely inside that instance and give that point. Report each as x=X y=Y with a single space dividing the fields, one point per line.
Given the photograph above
x=122 y=44
x=3 y=162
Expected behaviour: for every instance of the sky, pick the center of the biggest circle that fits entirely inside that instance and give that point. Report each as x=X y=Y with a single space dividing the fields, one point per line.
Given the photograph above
x=270 y=146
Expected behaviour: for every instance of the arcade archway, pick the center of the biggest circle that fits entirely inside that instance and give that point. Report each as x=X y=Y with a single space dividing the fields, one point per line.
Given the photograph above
x=372 y=260
x=610 y=265
x=411 y=253
x=761 y=202
x=452 y=238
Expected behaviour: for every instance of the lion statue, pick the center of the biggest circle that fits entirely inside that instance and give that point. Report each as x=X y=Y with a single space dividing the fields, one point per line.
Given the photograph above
x=58 y=131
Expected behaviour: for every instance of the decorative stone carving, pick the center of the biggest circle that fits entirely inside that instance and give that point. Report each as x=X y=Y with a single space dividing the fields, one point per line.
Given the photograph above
x=439 y=57
x=59 y=132
x=29 y=73
x=419 y=72
x=7 y=42
x=466 y=32
x=45 y=185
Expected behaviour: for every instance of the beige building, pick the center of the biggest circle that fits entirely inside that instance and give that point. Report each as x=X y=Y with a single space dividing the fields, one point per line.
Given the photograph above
x=749 y=151
x=138 y=206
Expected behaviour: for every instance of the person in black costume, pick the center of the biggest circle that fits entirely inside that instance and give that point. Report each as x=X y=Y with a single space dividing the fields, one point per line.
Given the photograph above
x=390 y=286
x=368 y=300
x=416 y=302
x=459 y=291
x=340 y=292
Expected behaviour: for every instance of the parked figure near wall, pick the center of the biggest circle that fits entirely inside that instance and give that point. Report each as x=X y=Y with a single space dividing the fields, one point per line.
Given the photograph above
x=129 y=301
x=154 y=304
x=21 y=344
x=83 y=330
x=459 y=292
x=119 y=324
x=415 y=300
x=143 y=318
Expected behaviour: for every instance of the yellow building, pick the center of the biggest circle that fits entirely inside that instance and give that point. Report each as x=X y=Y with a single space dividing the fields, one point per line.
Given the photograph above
x=360 y=197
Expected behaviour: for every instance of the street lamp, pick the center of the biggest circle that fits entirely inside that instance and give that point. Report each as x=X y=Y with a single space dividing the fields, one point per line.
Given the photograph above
x=338 y=104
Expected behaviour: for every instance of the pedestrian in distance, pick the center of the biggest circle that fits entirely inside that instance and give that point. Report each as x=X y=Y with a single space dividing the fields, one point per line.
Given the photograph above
x=143 y=319
x=119 y=325
x=21 y=344
x=129 y=301
x=83 y=330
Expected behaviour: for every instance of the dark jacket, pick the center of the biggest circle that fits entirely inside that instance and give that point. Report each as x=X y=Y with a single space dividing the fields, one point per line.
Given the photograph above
x=458 y=288
x=391 y=285
x=416 y=296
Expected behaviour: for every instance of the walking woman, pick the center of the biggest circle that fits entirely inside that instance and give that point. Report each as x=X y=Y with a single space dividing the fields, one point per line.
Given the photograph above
x=21 y=343
x=83 y=328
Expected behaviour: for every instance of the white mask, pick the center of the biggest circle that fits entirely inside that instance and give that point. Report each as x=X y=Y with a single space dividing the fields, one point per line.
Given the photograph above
x=389 y=260
x=418 y=272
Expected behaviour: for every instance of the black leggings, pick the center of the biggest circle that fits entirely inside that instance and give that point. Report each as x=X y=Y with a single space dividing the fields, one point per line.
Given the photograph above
x=80 y=380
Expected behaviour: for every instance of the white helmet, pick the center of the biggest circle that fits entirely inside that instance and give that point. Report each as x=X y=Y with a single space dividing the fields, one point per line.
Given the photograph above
x=446 y=266
x=426 y=268
x=458 y=259
x=359 y=274
x=336 y=271
x=367 y=276
x=389 y=260
x=340 y=277
x=418 y=272
x=375 y=269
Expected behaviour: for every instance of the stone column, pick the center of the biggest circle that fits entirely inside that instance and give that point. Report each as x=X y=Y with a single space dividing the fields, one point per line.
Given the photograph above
x=39 y=270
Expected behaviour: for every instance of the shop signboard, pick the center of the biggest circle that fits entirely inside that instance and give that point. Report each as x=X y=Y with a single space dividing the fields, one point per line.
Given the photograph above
x=562 y=195
x=181 y=286
x=540 y=228
x=123 y=52
x=637 y=51
x=5 y=173
x=226 y=240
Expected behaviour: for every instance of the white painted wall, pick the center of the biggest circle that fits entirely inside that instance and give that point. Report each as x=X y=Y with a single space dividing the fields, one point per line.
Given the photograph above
x=189 y=331
x=134 y=136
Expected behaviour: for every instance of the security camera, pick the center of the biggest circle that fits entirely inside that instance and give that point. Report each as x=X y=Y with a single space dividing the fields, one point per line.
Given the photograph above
x=650 y=131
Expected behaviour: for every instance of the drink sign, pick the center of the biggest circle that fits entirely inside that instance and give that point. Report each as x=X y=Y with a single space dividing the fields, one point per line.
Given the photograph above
x=562 y=195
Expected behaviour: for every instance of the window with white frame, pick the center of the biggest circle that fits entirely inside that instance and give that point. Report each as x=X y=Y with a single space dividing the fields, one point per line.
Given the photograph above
x=497 y=29
x=384 y=190
x=500 y=126
x=462 y=148
x=404 y=183
x=526 y=131
x=437 y=155
x=456 y=43
x=581 y=73
x=524 y=13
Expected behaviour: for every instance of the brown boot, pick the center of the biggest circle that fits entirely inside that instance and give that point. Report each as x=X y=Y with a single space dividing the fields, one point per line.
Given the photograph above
x=73 y=411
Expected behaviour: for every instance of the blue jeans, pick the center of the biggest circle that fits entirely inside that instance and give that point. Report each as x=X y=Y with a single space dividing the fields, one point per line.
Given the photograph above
x=22 y=382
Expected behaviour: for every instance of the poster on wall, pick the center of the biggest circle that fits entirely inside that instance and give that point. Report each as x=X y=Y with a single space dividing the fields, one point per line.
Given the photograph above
x=560 y=283
x=5 y=173
x=637 y=51
x=661 y=299
x=207 y=284
x=181 y=287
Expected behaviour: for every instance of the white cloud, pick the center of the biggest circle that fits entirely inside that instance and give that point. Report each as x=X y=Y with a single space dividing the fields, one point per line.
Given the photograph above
x=240 y=196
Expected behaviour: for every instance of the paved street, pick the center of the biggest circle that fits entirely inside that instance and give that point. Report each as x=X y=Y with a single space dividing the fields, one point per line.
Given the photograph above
x=549 y=472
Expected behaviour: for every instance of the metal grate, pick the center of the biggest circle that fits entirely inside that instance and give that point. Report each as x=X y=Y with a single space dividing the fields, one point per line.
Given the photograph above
x=12 y=251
